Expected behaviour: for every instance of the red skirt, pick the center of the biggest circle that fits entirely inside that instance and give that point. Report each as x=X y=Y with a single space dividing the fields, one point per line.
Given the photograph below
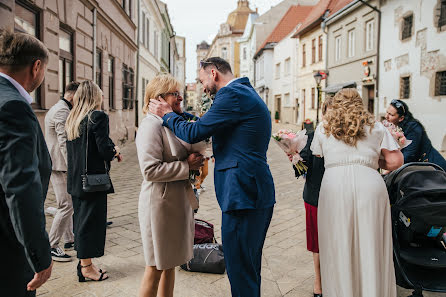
x=311 y=221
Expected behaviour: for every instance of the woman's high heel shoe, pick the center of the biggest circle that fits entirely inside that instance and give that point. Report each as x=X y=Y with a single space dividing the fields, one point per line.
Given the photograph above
x=82 y=278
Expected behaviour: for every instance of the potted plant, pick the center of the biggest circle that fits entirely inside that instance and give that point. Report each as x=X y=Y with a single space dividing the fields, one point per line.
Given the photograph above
x=276 y=116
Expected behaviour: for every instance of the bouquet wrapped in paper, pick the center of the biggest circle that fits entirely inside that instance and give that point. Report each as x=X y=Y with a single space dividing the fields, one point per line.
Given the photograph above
x=204 y=148
x=292 y=144
x=397 y=134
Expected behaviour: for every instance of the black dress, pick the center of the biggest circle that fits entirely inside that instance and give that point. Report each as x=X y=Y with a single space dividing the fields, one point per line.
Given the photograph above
x=90 y=209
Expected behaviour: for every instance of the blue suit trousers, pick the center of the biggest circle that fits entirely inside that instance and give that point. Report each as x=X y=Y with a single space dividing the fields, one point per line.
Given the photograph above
x=243 y=235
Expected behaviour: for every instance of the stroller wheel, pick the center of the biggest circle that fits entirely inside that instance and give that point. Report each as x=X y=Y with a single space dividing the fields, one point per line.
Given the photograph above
x=417 y=293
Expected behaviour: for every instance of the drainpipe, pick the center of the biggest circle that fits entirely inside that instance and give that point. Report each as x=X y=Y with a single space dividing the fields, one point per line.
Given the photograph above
x=137 y=66
x=94 y=44
x=377 y=52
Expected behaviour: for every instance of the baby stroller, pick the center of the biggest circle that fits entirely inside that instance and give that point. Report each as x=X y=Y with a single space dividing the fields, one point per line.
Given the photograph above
x=417 y=193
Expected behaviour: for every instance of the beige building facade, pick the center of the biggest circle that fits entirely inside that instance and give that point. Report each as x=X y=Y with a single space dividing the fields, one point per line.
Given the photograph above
x=85 y=42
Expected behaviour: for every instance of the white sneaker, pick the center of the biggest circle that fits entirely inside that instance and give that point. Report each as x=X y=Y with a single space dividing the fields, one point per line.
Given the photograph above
x=203 y=188
x=58 y=255
x=51 y=211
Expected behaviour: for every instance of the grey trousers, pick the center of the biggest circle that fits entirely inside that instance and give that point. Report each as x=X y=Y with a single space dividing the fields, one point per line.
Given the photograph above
x=63 y=219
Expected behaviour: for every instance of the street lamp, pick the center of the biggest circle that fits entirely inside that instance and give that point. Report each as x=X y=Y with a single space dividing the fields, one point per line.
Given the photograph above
x=318 y=79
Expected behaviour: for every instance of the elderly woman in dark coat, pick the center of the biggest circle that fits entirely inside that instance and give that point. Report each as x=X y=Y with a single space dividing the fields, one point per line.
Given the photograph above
x=421 y=149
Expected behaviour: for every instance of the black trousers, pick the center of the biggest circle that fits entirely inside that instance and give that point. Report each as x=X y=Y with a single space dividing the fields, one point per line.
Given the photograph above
x=89 y=224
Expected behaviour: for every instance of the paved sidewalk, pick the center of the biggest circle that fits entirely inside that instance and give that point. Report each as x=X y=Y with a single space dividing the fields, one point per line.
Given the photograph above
x=287 y=266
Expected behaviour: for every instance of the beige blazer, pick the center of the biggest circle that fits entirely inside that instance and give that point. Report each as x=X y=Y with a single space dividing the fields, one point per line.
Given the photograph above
x=55 y=134
x=167 y=200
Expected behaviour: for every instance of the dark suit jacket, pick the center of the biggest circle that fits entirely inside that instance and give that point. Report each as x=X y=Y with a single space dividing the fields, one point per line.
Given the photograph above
x=315 y=173
x=421 y=149
x=100 y=148
x=240 y=125
x=25 y=169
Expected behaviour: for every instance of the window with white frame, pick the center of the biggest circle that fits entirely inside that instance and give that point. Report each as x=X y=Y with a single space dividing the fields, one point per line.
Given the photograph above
x=147 y=43
x=262 y=67
x=224 y=53
x=369 y=35
x=338 y=48
x=287 y=99
x=142 y=26
x=277 y=70
x=287 y=66
x=351 y=43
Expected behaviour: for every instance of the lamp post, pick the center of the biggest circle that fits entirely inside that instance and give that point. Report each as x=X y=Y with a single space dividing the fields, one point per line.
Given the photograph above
x=318 y=77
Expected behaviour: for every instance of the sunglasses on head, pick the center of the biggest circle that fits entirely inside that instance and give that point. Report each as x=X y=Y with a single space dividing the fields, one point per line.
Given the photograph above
x=204 y=63
x=398 y=105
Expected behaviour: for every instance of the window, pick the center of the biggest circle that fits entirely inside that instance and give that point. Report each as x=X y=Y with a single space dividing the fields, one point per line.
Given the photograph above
x=442 y=19
x=98 y=74
x=405 y=87
x=262 y=68
x=304 y=56
x=440 y=83
x=320 y=48
x=143 y=28
x=224 y=53
x=147 y=43
x=155 y=44
x=287 y=99
x=143 y=90
x=127 y=87
x=277 y=70
x=407 y=27
x=127 y=6
x=351 y=43
x=337 y=48
x=313 y=98
x=26 y=20
x=303 y=97
x=287 y=66
x=369 y=35
x=313 y=51
x=111 y=82
x=65 y=59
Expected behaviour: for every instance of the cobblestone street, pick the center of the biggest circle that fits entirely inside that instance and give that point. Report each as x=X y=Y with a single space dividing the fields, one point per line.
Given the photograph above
x=287 y=266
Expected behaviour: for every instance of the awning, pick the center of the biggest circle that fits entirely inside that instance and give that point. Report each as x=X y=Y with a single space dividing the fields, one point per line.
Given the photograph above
x=335 y=88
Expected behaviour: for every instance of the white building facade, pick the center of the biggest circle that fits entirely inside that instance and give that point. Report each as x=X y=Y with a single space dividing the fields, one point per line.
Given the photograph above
x=413 y=62
x=285 y=84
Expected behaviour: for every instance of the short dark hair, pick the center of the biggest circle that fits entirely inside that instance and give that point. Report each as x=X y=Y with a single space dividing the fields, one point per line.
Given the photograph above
x=72 y=87
x=221 y=64
x=18 y=50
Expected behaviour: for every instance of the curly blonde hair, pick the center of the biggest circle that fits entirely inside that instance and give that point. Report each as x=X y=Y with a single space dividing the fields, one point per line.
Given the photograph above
x=346 y=118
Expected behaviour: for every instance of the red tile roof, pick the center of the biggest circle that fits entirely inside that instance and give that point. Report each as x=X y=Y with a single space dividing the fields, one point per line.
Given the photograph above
x=315 y=16
x=295 y=15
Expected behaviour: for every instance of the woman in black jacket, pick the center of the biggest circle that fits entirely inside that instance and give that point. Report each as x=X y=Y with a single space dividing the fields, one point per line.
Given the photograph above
x=88 y=144
x=313 y=180
x=421 y=149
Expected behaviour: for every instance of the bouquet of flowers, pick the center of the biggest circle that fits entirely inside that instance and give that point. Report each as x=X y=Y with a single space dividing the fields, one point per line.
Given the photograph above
x=203 y=147
x=292 y=143
x=397 y=134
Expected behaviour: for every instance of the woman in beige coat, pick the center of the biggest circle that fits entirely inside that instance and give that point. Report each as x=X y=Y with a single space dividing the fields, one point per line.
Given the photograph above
x=167 y=201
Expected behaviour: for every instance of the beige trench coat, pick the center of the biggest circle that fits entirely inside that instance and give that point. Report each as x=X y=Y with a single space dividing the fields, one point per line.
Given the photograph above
x=167 y=199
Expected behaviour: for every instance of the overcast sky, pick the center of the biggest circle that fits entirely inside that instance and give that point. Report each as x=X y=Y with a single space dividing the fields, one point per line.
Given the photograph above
x=199 y=20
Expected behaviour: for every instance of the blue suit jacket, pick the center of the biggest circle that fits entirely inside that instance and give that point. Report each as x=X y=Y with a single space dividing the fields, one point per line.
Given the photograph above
x=240 y=125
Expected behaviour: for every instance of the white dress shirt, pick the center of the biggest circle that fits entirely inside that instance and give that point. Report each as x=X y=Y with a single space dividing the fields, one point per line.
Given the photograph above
x=19 y=87
x=232 y=80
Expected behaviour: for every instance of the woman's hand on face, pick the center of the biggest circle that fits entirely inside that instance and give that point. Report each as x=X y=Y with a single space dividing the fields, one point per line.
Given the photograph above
x=195 y=161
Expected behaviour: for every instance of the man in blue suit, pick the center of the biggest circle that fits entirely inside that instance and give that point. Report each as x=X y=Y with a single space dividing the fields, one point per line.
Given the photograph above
x=240 y=125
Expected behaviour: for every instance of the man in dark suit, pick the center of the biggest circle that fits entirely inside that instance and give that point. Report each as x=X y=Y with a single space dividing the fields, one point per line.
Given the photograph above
x=240 y=125
x=25 y=168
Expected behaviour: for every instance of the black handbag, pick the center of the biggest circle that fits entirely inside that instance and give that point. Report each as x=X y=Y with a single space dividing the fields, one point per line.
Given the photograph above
x=99 y=182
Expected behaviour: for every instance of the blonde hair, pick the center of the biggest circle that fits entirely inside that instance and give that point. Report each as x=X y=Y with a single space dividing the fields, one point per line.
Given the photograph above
x=327 y=103
x=88 y=97
x=161 y=84
x=346 y=118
